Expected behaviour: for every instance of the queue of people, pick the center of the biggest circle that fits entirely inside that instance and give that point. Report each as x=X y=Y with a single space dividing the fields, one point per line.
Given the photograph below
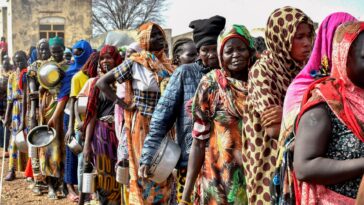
x=273 y=120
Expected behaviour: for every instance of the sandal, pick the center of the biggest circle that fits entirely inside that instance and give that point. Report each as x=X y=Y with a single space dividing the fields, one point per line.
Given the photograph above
x=10 y=176
x=36 y=190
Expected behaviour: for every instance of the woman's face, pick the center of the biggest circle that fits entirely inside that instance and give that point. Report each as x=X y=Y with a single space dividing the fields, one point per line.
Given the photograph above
x=188 y=54
x=44 y=51
x=208 y=55
x=156 y=40
x=77 y=51
x=107 y=62
x=20 y=61
x=57 y=53
x=355 y=62
x=302 y=43
x=235 y=55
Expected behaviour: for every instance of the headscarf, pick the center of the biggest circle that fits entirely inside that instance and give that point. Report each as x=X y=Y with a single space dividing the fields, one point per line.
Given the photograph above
x=67 y=50
x=236 y=90
x=281 y=28
x=113 y=52
x=56 y=41
x=319 y=63
x=135 y=46
x=345 y=99
x=154 y=61
x=41 y=41
x=79 y=61
x=91 y=65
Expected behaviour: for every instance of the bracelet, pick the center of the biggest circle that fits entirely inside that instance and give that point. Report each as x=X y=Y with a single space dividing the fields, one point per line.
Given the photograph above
x=185 y=202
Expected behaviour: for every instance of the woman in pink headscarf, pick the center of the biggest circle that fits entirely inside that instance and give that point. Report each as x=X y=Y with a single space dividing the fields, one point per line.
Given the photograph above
x=319 y=65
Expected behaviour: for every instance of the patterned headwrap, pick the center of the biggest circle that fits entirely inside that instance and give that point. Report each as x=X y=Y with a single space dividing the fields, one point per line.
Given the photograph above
x=236 y=31
x=56 y=41
x=156 y=60
x=113 y=52
x=235 y=90
x=281 y=28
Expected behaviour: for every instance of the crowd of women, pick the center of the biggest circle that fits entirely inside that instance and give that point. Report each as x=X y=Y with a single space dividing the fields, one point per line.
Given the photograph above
x=281 y=126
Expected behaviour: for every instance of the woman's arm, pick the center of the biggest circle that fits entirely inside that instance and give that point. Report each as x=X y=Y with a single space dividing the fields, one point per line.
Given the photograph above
x=33 y=96
x=195 y=162
x=89 y=134
x=312 y=139
x=56 y=117
x=24 y=109
x=8 y=114
x=77 y=116
x=104 y=85
x=71 y=123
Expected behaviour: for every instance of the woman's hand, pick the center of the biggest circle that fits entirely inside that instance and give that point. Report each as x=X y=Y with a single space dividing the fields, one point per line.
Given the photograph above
x=52 y=122
x=87 y=153
x=144 y=172
x=68 y=135
x=271 y=116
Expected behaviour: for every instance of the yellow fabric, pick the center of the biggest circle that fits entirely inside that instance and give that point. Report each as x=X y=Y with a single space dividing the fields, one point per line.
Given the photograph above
x=77 y=83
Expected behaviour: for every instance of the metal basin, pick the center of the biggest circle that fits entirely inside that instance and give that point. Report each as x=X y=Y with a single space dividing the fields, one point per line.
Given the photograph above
x=49 y=75
x=41 y=136
x=21 y=142
x=164 y=160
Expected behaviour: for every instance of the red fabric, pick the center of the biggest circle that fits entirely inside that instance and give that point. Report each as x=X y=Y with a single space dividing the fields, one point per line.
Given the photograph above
x=21 y=76
x=113 y=52
x=91 y=103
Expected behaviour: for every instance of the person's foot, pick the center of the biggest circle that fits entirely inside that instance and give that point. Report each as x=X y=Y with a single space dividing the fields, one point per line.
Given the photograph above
x=72 y=197
x=51 y=193
x=10 y=176
x=36 y=190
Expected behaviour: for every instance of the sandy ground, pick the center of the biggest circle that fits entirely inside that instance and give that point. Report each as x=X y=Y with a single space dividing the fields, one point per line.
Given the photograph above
x=16 y=192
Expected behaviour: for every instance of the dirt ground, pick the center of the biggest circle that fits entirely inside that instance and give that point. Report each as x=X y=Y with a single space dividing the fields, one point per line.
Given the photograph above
x=17 y=193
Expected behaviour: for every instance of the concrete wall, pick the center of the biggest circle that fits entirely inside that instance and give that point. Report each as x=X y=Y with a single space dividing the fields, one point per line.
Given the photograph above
x=26 y=15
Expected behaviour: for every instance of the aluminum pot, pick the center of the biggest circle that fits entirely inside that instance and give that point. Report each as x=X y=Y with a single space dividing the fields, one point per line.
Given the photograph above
x=122 y=173
x=82 y=104
x=164 y=160
x=21 y=142
x=74 y=146
x=89 y=182
x=49 y=75
x=41 y=136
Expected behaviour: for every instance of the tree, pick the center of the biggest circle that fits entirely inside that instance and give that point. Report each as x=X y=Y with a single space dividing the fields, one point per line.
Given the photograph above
x=125 y=14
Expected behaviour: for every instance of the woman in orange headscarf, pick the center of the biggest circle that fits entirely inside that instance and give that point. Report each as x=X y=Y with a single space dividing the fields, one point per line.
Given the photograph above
x=142 y=73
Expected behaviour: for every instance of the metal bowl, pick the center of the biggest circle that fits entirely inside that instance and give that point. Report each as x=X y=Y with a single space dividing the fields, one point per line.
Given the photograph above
x=164 y=160
x=82 y=104
x=49 y=75
x=41 y=136
x=21 y=142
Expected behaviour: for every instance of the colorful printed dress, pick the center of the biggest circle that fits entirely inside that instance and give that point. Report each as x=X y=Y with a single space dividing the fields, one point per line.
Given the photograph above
x=104 y=145
x=216 y=119
x=146 y=93
x=50 y=157
x=15 y=96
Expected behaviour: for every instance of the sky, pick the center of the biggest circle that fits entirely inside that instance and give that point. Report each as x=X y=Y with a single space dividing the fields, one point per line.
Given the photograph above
x=251 y=13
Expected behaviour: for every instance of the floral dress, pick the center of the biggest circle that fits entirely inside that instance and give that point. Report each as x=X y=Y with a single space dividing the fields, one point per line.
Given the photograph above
x=221 y=180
